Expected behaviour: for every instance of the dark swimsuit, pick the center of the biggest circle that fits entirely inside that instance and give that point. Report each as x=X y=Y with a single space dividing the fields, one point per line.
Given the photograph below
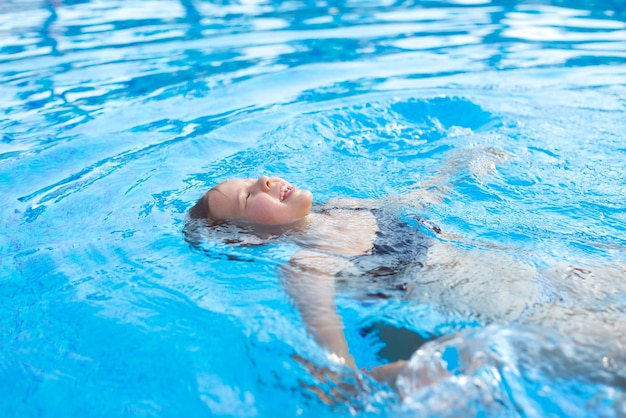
x=400 y=245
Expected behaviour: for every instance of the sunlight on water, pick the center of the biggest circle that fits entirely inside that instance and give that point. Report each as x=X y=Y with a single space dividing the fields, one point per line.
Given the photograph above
x=118 y=115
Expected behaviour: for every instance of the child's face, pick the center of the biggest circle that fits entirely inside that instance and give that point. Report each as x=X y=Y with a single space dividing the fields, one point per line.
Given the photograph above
x=268 y=201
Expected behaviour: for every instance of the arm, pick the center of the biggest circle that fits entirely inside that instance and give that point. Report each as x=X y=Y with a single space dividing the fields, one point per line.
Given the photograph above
x=311 y=284
x=476 y=162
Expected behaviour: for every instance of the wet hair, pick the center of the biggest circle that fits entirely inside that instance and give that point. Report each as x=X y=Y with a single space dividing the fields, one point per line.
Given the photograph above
x=201 y=209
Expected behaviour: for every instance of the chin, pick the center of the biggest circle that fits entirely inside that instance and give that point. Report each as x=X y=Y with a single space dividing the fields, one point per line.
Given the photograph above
x=307 y=203
x=307 y=197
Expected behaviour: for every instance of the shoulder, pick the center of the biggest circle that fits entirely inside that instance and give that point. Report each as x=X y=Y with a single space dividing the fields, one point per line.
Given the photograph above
x=320 y=262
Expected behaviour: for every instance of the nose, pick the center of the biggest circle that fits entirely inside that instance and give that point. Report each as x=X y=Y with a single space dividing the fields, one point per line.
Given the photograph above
x=264 y=183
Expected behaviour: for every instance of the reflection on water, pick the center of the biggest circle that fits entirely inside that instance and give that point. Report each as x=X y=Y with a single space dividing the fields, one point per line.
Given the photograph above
x=117 y=115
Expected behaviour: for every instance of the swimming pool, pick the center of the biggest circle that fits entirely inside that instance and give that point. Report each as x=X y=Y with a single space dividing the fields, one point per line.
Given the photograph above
x=117 y=115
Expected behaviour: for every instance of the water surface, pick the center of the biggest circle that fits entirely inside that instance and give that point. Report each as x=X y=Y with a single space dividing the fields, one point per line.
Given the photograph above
x=118 y=115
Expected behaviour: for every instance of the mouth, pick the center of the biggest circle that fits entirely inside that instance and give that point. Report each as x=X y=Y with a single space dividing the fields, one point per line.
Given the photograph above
x=286 y=191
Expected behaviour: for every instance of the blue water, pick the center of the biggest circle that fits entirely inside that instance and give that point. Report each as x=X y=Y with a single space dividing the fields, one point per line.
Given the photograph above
x=117 y=115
